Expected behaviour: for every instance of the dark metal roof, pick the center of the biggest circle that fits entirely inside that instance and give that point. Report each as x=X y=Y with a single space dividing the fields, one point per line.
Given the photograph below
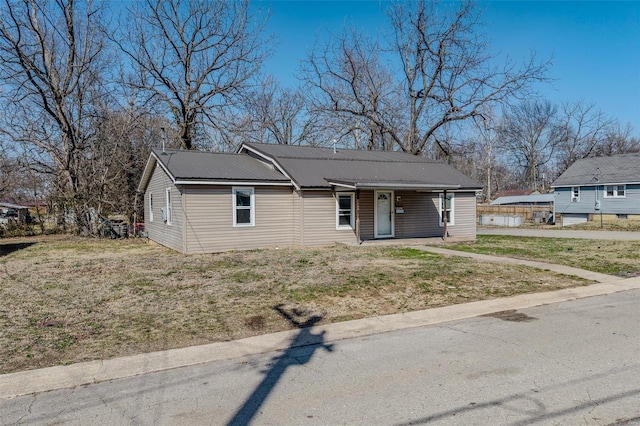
x=206 y=166
x=312 y=167
x=623 y=168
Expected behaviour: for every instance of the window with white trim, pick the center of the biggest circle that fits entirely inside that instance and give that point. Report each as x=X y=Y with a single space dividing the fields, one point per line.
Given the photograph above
x=449 y=208
x=168 y=207
x=345 y=211
x=614 y=191
x=243 y=206
x=151 y=207
x=575 y=194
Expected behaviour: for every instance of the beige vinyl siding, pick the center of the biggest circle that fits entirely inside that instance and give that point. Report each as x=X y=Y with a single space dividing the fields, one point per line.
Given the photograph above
x=297 y=218
x=319 y=220
x=167 y=235
x=209 y=223
x=366 y=215
x=420 y=217
x=465 y=216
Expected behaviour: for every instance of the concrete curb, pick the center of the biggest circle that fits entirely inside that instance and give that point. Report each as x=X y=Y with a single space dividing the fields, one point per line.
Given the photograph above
x=61 y=377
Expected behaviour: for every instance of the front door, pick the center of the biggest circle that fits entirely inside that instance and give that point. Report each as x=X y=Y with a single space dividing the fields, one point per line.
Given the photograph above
x=384 y=214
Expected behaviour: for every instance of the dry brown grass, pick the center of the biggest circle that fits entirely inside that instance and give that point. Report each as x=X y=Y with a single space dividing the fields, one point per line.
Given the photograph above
x=66 y=300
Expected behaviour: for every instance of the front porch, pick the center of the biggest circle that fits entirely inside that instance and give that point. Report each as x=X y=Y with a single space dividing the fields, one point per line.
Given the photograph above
x=410 y=242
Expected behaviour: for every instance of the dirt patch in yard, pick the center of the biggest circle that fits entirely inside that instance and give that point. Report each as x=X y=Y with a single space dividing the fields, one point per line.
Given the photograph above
x=66 y=300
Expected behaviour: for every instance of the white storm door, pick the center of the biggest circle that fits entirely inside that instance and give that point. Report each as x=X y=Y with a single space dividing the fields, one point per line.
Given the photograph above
x=384 y=214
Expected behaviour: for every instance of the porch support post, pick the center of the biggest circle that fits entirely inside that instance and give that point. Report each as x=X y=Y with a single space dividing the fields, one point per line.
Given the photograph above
x=358 y=216
x=444 y=215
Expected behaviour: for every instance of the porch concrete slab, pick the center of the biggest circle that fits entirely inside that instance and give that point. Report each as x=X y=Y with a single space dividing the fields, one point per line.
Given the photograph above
x=413 y=241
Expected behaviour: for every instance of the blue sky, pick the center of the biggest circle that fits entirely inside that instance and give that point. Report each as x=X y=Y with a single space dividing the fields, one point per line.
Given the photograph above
x=594 y=46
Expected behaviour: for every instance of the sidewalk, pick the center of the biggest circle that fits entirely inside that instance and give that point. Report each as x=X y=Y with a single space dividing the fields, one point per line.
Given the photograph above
x=61 y=377
x=562 y=233
x=561 y=269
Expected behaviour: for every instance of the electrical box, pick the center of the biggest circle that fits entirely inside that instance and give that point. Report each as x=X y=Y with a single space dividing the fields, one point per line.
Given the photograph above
x=597 y=206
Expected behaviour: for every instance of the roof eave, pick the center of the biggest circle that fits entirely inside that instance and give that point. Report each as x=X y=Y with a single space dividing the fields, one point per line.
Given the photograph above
x=400 y=186
x=187 y=181
x=564 y=185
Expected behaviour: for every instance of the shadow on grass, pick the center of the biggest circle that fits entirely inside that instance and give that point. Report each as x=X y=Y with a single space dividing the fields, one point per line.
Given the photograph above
x=7 y=249
x=299 y=352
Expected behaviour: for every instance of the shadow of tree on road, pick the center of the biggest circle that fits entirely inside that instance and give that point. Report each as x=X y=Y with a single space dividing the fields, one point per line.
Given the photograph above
x=299 y=352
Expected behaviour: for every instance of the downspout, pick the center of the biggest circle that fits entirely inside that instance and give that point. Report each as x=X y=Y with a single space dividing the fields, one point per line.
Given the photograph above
x=358 y=241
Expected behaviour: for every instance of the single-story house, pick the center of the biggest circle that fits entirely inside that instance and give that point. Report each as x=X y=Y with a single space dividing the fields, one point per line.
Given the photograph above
x=599 y=185
x=282 y=195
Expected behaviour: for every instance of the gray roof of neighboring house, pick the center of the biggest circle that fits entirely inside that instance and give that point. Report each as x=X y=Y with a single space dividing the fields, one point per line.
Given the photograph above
x=623 y=168
x=312 y=167
x=524 y=199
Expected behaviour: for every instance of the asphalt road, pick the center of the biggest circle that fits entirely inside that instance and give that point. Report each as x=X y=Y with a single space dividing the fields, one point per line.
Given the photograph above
x=570 y=363
x=562 y=233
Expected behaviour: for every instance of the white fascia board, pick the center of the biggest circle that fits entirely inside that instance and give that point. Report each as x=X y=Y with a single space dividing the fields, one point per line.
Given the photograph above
x=230 y=182
x=148 y=170
x=342 y=185
x=594 y=184
x=416 y=186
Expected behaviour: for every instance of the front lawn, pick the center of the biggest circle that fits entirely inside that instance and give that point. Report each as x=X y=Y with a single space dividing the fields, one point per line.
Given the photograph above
x=620 y=258
x=67 y=299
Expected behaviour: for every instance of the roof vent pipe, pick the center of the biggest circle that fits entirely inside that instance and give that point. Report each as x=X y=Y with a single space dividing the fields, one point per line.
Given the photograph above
x=163 y=137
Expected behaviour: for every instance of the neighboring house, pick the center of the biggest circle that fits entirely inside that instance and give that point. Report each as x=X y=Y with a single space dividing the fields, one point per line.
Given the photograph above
x=282 y=195
x=15 y=212
x=599 y=185
x=525 y=200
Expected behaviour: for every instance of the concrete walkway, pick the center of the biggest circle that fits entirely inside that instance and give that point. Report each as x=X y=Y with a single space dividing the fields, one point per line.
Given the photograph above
x=562 y=233
x=61 y=377
x=561 y=269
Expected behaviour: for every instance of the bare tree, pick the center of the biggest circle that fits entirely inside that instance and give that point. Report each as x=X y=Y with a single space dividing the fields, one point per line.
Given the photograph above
x=51 y=68
x=352 y=91
x=196 y=57
x=530 y=136
x=584 y=131
x=9 y=168
x=483 y=151
x=618 y=140
x=444 y=75
x=275 y=115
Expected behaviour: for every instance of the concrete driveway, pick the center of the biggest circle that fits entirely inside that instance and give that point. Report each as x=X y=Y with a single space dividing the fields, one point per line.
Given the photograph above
x=562 y=233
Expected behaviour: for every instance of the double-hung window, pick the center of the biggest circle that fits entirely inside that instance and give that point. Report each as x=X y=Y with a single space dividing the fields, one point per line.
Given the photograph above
x=345 y=217
x=614 y=191
x=151 y=207
x=449 y=209
x=243 y=206
x=575 y=194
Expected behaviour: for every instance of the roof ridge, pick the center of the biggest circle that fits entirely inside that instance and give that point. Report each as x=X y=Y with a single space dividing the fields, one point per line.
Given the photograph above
x=373 y=160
